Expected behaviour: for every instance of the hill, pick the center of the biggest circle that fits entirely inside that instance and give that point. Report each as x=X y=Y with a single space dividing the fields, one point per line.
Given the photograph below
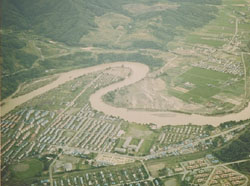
x=61 y=20
x=68 y=21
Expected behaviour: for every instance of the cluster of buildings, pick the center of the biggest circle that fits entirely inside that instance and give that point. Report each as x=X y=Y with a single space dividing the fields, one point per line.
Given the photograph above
x=33 y=135
x=128 y=146
x=21 y=141
x=173 y=134
x=98 y=135
x=226 y=176
x=201 y=178
x=225 y=66
x=104 y=177
x=38 y=117
x=203 y=172
x=214 y=61
x=9 y=122
x=53 y=136
x=112 y=159
x=197 y=164
x=91 y=133
x=105 y=80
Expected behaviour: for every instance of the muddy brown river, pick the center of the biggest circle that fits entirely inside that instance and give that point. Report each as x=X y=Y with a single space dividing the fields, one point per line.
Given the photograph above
x=139 y=71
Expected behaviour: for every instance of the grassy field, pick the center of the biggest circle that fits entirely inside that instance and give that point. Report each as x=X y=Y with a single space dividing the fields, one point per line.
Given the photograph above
x=206 y=41
x=175 y=180
x=138 y=132
x=27 y=169
x=135 y=141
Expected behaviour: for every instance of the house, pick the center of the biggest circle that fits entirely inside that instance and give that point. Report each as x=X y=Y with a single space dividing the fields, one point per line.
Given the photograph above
x=214 y=182
x=178 y=169
x=121 y=150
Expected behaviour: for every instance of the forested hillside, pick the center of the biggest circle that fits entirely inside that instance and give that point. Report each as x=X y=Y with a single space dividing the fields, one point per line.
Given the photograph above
x=68 y=21
x=61 y=20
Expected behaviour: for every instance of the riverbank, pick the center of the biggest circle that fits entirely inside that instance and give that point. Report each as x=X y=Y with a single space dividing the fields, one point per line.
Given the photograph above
x=138 y=72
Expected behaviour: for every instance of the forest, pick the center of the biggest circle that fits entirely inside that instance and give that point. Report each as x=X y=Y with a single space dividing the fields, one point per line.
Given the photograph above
x=238 y=149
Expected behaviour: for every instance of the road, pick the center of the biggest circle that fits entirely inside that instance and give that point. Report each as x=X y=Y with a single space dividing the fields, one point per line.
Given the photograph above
x=146 y=168
x=245 y=75
x=224 y=132
x=236 y=30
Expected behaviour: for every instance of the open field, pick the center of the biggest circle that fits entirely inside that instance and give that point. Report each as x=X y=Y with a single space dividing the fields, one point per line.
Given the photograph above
x=172 y=181
x=27 y=169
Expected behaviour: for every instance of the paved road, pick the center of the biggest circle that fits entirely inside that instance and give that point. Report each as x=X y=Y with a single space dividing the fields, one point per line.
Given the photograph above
x=224 y=132
x=66 y=147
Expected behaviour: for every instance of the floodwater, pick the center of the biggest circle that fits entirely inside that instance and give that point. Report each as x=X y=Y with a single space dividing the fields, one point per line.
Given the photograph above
x=139 y=71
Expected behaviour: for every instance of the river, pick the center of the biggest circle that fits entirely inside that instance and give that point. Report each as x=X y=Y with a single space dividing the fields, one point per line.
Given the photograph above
x=139 y=71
